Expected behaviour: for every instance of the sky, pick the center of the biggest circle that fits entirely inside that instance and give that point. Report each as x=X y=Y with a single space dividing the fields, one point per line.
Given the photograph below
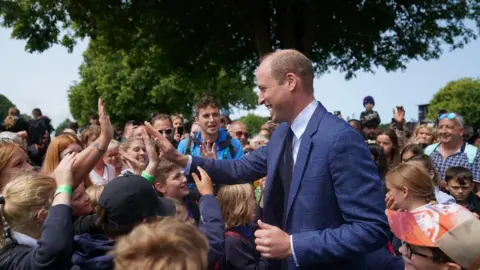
x=42 y=80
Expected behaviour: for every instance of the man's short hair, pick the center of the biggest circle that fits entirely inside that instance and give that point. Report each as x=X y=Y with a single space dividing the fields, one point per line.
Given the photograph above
x=164 y=244
x=161 y=116
x=204 y=102
x=291 y=61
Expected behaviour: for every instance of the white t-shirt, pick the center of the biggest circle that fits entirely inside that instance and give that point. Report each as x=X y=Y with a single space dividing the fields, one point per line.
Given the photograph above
x=108 y=175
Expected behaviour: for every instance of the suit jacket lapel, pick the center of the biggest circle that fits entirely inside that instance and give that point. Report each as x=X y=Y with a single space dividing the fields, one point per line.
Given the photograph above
x=303 y=155
x=274 y=154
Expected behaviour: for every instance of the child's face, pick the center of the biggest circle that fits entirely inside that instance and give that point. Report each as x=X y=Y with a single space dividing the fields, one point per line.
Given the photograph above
x=458 y=191
x=369 y=106
x=175 y=185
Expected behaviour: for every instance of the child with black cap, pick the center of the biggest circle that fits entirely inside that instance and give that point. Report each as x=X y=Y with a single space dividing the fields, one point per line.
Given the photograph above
x=369 y=118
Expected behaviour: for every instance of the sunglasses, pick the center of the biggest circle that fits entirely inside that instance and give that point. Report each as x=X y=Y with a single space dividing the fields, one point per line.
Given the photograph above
x=167 y=131
x=240 y=134
x=449 y=116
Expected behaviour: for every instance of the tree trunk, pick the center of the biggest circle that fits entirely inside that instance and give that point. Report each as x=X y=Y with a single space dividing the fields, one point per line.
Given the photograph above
x=255 y=15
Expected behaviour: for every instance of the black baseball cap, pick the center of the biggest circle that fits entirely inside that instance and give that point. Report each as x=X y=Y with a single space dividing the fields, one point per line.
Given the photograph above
x=127 y=200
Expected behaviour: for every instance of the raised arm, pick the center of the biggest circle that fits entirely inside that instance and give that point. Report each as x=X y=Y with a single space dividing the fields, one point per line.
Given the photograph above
x=245 y=170
x=87 y=159
x=359 y=195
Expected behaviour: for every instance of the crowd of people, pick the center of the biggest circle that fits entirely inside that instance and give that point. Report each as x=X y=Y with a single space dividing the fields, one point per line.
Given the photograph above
x=309 y=191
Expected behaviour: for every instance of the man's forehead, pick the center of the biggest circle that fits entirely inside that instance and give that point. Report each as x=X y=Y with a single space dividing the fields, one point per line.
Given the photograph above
x=208 y=109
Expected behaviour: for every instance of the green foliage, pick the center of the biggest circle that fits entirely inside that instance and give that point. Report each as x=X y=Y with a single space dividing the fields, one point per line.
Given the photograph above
x=345 y=35
x=384 y=126
x=461 y=96
x=253 y=122
x=5 y=104
x=136 y=84
x=62 y=126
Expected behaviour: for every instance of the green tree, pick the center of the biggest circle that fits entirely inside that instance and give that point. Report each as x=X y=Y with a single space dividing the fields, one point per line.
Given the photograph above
x=461 y=96
x=253 y=122
x=205 y=36
x=136 y=84
x=62 y=126
x=5 y=104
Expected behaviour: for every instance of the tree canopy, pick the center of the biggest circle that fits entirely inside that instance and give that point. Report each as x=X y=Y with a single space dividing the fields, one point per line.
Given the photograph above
x=461 y=96
x=62 y=126
x=136 y=84
x=204 y=37
x=253 y=122
x=5 y=104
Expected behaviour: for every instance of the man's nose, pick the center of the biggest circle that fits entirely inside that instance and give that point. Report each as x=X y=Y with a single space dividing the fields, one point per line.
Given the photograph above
x=261 y=100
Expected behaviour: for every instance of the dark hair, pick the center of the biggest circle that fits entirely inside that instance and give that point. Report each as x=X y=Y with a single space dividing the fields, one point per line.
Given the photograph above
x=395 y=155
x=73 y=125
x=204 y=102
x=93 y=117
x=461 y=174
x=415 y=149
x=379 y=158
x=37 y=112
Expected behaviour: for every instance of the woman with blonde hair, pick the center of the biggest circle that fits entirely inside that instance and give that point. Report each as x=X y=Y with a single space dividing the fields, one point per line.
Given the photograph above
x=102 y=173
x=133 y=156
x=112 y=156
x=13 y=122
x=238 y=206
x=37 y=220
x=424 y=135
x=409 y=186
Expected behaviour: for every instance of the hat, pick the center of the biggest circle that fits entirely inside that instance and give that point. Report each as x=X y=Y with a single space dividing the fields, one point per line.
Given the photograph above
x=450 y=227
x=225 y=112
x=368 y=99
x=127 y=200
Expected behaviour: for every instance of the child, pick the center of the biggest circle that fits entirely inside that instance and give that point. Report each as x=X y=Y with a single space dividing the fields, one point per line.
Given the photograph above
x=460 y=186
x=238 y=206
x=369 y=118
x=171 y=183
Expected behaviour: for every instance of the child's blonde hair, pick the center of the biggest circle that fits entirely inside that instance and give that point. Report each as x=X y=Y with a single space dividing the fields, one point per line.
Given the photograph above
x=24 y=196
x=237 y=203
x=94 y=193
x=164 y=244
x=414 y=176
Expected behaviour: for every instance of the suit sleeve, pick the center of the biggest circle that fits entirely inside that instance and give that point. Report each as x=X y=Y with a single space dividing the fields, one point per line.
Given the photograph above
x=230 y=172
x=360 y=198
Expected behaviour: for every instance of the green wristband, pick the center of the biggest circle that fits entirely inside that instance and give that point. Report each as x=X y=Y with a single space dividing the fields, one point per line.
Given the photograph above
x=148 y=176
x=64 y=189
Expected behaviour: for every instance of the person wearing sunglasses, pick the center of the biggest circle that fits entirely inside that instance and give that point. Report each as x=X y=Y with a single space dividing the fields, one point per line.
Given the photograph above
x=437 y=237
x=451 y=150
x=164 y=125
x=239 y=131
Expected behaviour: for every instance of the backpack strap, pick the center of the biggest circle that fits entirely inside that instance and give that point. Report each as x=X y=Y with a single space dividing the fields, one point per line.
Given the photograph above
x=471 y=152
x=431 y=148
x=227 y=143
x=192 y=141
x=231 y=233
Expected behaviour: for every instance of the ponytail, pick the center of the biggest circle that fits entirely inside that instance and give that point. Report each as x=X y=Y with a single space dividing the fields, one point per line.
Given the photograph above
x=5 y=233
x=10 y=120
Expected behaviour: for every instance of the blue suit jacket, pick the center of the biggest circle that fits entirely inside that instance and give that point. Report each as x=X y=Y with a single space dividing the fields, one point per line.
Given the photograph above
x=335 y=209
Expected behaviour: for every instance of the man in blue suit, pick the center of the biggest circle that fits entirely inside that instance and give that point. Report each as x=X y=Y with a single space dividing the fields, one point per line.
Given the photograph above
x=323 y=206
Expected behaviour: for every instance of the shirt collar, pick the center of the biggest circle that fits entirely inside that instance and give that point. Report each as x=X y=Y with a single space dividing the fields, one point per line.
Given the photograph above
x=300 y=123
x=23 y=239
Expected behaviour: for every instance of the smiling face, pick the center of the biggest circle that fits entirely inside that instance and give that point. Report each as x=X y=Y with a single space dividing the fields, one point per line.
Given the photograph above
x=276 y=97
x=137 y=151
x=449 y=131
x=81 y=203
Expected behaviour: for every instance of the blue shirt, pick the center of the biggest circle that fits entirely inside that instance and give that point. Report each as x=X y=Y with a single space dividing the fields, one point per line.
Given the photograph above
x=222 y=153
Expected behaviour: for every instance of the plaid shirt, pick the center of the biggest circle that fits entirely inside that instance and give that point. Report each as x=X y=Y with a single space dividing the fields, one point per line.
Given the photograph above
x=459 y=159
